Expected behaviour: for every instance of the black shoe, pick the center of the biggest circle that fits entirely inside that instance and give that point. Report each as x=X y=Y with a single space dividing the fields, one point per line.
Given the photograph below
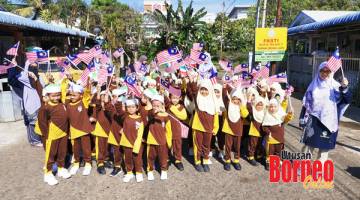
x=108 y=164
x=116 y=171
x=179 y=166
x=227 y=166
x=237 y=166
x=253 y=162
x=82 y=163
x=206 y=168
x=199 y=168
x=267 y=166
x=101 y=170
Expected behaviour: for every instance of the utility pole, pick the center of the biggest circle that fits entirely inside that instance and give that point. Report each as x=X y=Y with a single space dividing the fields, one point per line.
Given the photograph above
x=264 y=15
x=278 y=23
x=222 y=29
x=258 y=2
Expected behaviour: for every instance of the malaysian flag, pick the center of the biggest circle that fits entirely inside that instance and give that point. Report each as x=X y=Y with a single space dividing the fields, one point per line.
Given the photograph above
x=226 y=78
x=280 y=78
x=102 y=75
x=96 y=50
x=118 y=52
x=175 y=65
x=241 y=68
x=184 y=129
x=168 y=55
x=198 y=46
x=167 y=86
x=225 y=65
x=130 y=81
x=86 y=57
x=334 y=62
x=110 y=70
x=37 y=56
x=105 y=58
x=74 y=59
x=261 y=71
x=198 y=57
x=91 y=66
x=5 y=66
x=84 y=77
x=213 y=76
x=13 y=50
x=63 y=64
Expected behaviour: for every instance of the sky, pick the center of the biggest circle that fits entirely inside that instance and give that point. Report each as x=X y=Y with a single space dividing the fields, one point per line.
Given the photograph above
x=212 y=6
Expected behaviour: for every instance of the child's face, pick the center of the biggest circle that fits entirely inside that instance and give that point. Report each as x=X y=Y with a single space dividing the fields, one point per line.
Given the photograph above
x=144 y=99
x=75 y=96
x=131 y=109
x=204 y=92
x=272 y=92
x=272 y=108
x=55 y=97
x=45 y=99
x=236 y=101
x=217 y=93
x=259 y=106
x=174 y=99
x=151 y=86
x=157 y=106
x=102 y=97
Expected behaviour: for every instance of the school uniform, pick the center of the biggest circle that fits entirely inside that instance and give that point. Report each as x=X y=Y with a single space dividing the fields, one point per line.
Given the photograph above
x=159 y=140
x=131 y=143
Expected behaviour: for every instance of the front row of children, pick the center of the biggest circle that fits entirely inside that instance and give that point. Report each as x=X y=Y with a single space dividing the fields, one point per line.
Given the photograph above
x=95 y=119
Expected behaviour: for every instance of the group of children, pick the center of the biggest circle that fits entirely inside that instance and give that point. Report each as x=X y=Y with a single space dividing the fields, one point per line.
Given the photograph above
x=112 y=123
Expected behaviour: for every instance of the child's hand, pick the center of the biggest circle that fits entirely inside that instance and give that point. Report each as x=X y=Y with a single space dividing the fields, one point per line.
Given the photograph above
x=91 y=119
x=32 y=75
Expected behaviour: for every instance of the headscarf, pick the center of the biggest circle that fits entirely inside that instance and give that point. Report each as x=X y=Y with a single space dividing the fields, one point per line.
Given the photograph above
x=206 y=104
x=219 y=101
x=259 y=115
x=234 y=110
x=276 y=118
x=321 y=98
x=278 y=91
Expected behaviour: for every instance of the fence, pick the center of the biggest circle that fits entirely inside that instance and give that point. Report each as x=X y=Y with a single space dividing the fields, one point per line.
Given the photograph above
x=303 y=67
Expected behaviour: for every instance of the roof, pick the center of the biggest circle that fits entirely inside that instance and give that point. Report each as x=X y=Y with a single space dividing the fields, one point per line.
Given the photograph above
x=244 y=6
x=16 y=20
x=310 y=16
x=345 y=18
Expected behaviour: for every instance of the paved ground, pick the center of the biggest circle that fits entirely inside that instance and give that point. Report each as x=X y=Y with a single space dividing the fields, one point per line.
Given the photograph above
x=21 y=175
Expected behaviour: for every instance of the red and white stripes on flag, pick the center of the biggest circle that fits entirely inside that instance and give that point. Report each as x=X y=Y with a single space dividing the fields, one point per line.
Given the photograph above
x=168 y=56
x=197 y=56
x=184 y=129
x=280 y=78
x=5 y=66
x=86 y=57
x=118 y=52
x=84 y=77
x=13 y=50
x=198 y=46
x=37 y=56
x=102 y=75
x=334 y=62
x=133 y=89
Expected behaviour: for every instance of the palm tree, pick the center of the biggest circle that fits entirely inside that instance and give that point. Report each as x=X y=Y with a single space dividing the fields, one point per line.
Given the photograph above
x=178 y=26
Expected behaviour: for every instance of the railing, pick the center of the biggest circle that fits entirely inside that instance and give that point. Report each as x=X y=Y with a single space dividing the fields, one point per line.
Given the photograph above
x=302 y=69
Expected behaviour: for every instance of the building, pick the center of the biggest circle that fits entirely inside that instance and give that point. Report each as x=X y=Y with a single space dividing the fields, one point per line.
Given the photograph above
x=239 y=12
x=313 y=36
x=209 y=18
x=150 y=25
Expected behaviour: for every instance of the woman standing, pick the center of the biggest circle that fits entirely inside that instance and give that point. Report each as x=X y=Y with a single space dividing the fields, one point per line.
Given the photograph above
x=325 y=101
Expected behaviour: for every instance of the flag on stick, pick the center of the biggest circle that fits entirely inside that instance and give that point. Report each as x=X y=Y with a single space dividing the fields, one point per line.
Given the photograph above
x=13 y=50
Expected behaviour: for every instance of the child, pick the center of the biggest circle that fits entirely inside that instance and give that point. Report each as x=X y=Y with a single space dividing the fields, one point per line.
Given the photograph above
x=117 y=116
x=220 y=94
x=158 y=138
x=257 y=112
x=273 y=125
x=131 y=141
x=56 y=143
x=102 y=129
x=233 y=127
x=80 y=129
x=205 y=121
x=177 y=110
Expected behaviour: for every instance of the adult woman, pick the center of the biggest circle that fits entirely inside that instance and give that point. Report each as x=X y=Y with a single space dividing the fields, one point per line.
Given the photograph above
x=324 y=103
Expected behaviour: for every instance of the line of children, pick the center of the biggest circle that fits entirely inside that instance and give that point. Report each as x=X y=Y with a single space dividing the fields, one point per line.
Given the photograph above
x=125 y=127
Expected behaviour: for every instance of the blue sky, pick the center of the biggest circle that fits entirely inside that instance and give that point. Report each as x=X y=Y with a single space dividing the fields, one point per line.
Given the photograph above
x=212 y=6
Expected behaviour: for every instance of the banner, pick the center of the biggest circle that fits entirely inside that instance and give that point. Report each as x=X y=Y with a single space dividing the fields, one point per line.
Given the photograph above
x=270 y=44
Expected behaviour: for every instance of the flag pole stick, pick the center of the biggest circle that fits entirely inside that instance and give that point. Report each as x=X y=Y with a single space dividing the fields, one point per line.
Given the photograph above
x=342 y=70
x=14 y=64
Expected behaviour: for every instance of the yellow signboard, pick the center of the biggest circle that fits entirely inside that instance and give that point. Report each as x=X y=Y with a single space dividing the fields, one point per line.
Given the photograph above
x=270 y=44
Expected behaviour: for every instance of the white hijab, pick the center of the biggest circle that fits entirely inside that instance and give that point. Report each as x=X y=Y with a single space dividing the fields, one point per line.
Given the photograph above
x=219 y=101
x=234 y=110
x=259 y=115
x=206 y=103
x=276 y=118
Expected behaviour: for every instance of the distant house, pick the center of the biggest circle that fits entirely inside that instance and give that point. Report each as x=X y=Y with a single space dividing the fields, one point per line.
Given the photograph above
x=313 y=36
x=149 y=24
x=239 y=12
